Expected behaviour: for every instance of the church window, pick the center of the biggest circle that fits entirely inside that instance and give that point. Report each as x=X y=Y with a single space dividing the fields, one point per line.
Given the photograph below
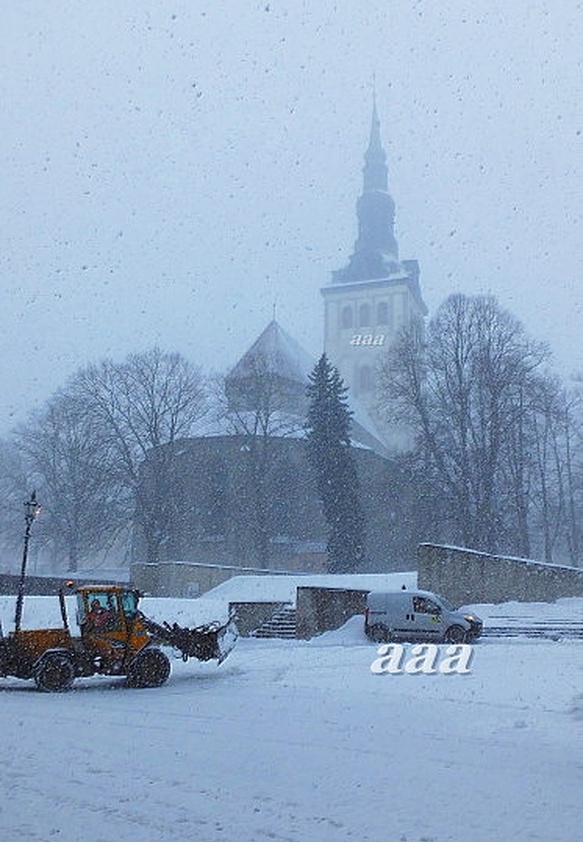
x=364 y=315
x=382 y=313
x=346 y=319
x=365 y=379
x=214 y=506
x=284 y=493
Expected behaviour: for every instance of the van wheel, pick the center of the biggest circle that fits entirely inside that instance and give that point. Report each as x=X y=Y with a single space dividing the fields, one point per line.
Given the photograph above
x=378 y=633
x=54 y=673
x=455 y=634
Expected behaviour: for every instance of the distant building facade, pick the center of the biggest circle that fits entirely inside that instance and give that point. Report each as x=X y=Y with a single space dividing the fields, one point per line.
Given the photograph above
x=243 y=493
x=374 y=296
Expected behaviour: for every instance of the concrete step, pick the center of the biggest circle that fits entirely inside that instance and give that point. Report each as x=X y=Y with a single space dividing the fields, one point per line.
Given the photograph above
x=282 y=625
x=552 y=631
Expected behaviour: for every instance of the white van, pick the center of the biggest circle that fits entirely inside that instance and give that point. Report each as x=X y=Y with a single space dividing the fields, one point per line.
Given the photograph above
x=417 y=615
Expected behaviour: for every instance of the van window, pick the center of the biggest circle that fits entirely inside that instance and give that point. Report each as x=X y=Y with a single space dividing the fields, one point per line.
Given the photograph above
x=422 y=605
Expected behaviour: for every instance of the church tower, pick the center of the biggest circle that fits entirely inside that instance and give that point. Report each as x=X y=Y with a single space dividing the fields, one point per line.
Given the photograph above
x=375 y=295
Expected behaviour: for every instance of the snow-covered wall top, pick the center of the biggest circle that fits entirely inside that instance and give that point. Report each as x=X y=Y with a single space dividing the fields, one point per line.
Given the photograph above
x=283 y=588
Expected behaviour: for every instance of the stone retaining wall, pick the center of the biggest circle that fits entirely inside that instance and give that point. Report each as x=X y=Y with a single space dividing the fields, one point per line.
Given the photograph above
x=322 y=609
x=43 y=585
x=466 y=577
x=187 y=579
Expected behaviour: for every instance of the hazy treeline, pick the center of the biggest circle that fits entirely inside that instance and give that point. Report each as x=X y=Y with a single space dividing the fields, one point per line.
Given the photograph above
x=498 y=460
x=84 y=452
x=497 y=463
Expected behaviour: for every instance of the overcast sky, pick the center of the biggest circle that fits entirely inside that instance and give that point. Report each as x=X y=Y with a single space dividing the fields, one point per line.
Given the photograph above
x=173 y=170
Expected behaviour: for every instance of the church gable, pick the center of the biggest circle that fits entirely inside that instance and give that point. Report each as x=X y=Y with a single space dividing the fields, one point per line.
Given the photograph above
x=273 y=371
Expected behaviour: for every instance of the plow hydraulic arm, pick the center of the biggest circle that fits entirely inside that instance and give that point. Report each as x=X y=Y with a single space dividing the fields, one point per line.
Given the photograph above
x=213 y=640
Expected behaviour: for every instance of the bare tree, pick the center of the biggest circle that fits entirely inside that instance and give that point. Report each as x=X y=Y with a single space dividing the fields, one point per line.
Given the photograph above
x=73 y=470
x=573 y=427
x=557 y=487
x=259 y=405
x=462 y=390
x=143 y=407
x=15 y=485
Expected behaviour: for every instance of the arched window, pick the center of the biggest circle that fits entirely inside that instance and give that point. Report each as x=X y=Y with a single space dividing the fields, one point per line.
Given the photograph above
x=364 y=315
x=214 y=503
x=284 y=494
x=365 y=379
x=346 y=319
x=382 y=313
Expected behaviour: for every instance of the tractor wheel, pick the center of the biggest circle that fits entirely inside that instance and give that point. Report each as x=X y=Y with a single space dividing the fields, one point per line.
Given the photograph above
x=150 y=668
x=54 y=673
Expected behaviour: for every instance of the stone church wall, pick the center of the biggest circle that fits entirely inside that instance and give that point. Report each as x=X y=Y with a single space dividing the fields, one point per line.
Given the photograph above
x=217 y=493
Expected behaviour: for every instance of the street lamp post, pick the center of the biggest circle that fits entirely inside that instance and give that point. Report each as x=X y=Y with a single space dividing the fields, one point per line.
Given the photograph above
x=32 y=510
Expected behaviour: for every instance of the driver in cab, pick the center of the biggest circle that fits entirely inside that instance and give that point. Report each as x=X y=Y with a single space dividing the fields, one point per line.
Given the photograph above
x=99 y=616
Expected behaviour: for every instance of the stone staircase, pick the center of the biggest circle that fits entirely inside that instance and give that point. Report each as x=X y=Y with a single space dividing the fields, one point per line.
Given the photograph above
x=281 y=624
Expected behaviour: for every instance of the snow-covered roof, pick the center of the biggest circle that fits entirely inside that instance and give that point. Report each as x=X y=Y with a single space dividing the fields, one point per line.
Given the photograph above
x=363 y=423
x=281 y=424
x=274 y=352
x=277 y=353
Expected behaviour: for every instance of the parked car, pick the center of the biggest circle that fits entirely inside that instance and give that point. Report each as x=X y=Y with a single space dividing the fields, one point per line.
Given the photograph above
x=417 y=615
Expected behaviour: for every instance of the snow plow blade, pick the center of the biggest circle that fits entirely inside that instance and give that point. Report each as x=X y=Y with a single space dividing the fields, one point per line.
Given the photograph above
x=207 y=642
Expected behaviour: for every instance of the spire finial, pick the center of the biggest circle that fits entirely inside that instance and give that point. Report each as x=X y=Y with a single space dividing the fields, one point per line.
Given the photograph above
x=375 y=115
x=375 y=144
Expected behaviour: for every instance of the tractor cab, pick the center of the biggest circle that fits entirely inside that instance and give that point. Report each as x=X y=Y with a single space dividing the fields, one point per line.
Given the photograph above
x=109 y=621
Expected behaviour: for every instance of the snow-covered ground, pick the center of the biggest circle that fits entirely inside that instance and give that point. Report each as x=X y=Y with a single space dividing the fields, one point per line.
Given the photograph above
x=299 y=742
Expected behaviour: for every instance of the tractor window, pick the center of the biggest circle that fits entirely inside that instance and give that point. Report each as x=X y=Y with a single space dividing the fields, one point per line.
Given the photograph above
x=102 y=614
x=130 y=604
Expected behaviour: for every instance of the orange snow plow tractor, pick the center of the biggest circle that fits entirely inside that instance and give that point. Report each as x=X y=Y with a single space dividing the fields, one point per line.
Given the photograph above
x=116 y=638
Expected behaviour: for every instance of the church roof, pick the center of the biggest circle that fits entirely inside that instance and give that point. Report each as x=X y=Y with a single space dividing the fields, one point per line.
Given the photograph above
x=274 y=352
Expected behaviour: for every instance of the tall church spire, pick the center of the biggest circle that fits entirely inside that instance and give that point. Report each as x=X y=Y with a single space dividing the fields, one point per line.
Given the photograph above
x=374 y=296
x=375 y=171
x=376 y=251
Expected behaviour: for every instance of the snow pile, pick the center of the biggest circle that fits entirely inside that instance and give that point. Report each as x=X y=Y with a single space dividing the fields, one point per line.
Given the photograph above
x=350 y=634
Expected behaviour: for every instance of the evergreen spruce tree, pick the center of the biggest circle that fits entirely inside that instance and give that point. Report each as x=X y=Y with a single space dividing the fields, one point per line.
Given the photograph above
x=329 y=451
